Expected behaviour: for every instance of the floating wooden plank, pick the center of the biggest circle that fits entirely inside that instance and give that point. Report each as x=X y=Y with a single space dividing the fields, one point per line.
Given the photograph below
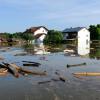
x=44 y=82
x=31 y=64
x=11 y=70
x=87 y=73
x=76 y=65
x=3 y=71
x=33 y=72
x=27 y=71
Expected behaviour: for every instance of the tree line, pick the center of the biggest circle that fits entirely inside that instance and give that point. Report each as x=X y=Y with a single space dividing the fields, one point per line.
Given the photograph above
x=94 y=32
x=53 y=36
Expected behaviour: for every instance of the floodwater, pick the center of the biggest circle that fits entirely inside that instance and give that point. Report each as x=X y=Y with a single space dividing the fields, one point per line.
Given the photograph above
x=54 y=61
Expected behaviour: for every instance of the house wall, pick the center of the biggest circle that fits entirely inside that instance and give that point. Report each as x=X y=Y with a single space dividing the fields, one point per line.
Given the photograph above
x=41 y=38
x=83 y=41
x=41 y=30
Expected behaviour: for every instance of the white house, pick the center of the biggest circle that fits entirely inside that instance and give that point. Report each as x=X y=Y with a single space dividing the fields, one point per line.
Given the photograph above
x=39 y=32
x=82 y=35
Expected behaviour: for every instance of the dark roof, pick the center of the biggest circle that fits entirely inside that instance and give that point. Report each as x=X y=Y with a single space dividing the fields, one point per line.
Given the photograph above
x=70 y=30
x=33 y=29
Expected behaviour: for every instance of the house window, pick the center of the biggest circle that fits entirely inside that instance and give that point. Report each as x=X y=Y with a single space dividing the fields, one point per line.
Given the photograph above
x=87 y=42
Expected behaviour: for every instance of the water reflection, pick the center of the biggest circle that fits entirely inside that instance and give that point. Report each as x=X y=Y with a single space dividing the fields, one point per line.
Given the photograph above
x=37 y=48
x=68 y=49
x=83 y=50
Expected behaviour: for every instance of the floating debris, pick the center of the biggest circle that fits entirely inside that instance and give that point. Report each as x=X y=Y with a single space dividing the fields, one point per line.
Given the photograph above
x=87 y=73
x=32 y=62
x=44 y=82
x=75 y=65
x=29 y=63
x=62 y=78
x=20 y=70
x=3 y=71
x=11 y=69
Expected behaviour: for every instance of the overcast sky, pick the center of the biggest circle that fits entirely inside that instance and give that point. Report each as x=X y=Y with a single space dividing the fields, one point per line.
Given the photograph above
x=17 y=15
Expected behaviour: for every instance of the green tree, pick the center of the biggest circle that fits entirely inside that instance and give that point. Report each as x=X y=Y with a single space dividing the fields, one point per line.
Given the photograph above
x=98 y=29
x=28 y=37
x=53 y=37
x=93 y=32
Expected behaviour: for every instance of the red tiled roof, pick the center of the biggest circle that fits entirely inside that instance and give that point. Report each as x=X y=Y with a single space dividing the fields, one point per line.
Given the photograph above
x=33 y=29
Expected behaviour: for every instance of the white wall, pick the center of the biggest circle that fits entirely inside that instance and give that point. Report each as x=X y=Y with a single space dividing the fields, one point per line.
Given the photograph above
x=41 y=30
x=83 y=42
x=41 y=38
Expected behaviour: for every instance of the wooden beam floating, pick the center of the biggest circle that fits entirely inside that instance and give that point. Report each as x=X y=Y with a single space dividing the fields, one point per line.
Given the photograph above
x=87 y=73
x=74 y=65
x=20 y=70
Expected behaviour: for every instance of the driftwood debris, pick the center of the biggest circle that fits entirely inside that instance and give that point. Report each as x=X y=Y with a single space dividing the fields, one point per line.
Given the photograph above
x=62 y=78
x=44 y=82
x=30 y=63
x=76 y=65
x=20 y=70
x=10 y=69
x=87 y=73
x=3 y=71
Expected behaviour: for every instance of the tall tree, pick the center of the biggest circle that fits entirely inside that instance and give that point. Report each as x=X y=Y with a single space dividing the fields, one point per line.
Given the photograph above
x=54 y=37
x=93 y=32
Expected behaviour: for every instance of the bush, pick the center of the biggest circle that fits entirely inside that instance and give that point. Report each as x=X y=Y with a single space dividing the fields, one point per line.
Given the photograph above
x=53 y=37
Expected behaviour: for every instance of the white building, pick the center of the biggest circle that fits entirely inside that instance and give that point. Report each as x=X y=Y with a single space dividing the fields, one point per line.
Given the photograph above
x=82 y=35
x=39 y=32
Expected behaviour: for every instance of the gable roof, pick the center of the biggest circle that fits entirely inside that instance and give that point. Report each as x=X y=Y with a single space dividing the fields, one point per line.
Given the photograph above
x=70 y=30
x=33 y=29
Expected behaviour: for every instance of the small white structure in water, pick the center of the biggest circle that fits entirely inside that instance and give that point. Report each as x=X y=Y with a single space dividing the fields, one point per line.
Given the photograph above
x=82 y=35
x=39 y=33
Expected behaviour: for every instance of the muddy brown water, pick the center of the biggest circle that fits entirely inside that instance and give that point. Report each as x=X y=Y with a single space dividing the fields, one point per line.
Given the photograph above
x=27 y=87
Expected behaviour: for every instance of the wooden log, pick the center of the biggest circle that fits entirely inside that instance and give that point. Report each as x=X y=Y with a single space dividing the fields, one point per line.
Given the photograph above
x=32 y=62
x=3 y=71
x=62 y=78
x=10 y=70
x=87 y=73
x=27 y=71
x=44 y=82
x=13 y=65
x=76 y=65
x=33 y=72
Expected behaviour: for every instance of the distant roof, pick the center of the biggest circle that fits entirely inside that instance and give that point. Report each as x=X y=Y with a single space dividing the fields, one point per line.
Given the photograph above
x=76 y=29
x=33 y=29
